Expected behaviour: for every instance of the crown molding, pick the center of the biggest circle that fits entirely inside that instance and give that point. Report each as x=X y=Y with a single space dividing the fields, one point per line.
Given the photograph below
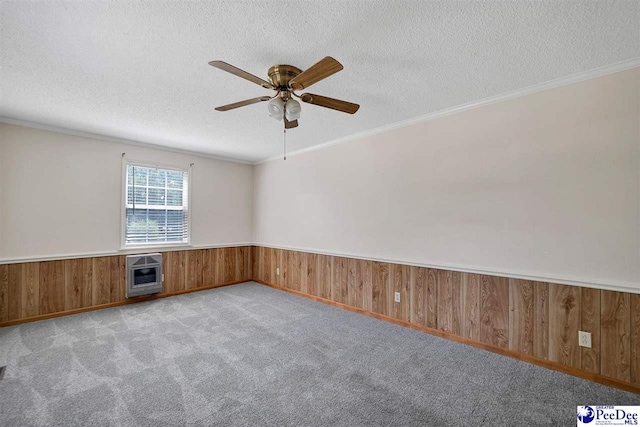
x=101 y=137
x=563 y=81
x=552 y=84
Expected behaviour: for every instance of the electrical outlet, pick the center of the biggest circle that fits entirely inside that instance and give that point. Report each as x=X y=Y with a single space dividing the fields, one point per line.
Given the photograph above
x=277 y=271
x=396 y=297
x=584 y=339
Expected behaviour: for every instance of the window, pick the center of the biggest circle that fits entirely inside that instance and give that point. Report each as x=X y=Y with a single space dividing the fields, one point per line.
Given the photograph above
x=156 y=208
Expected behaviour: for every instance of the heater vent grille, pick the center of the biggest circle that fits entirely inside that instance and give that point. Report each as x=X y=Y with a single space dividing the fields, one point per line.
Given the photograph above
x=144 y=274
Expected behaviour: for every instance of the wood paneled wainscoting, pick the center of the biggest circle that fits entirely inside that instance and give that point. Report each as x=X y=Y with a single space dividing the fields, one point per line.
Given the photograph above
x=533 y=321
x=38 y=290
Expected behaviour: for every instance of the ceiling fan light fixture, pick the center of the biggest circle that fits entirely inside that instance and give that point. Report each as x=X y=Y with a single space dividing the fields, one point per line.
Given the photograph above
x=276 y=108
x=292 y=110
x=284 y=79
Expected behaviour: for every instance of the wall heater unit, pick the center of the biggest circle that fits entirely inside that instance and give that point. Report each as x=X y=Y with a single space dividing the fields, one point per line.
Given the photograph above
x=144 y=274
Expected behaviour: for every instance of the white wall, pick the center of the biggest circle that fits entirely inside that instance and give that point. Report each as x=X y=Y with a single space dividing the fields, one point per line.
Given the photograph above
x=543 y=186
x=61 y=194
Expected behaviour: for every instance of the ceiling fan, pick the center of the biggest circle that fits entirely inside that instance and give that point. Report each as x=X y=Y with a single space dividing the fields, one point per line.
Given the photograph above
x=285 y=79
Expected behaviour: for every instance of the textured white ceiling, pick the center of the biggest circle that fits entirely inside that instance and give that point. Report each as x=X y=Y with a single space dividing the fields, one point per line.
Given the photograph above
x=138 y=69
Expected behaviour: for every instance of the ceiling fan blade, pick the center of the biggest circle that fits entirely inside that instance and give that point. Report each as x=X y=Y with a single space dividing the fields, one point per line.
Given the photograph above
x=290 y=125
x=318 y=71
x=241 y=73
x=242 y=103
x=334 y=104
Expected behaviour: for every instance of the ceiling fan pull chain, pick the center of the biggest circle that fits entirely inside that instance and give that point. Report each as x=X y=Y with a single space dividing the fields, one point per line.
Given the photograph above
x=285 y=144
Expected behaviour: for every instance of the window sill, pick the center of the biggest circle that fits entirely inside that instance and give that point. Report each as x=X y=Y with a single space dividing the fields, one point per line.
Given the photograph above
x=154 y=247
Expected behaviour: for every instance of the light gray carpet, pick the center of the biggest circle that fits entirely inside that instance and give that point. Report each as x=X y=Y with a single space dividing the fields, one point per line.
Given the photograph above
x=253 y=356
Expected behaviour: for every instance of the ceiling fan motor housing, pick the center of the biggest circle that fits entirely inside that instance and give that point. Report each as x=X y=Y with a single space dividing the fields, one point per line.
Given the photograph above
x=281 y=75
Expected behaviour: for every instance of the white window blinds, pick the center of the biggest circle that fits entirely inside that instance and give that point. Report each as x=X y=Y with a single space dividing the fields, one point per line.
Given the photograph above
x=156 y=210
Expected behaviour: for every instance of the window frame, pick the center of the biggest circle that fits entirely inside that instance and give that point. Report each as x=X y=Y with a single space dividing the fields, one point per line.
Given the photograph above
x=124 y=246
